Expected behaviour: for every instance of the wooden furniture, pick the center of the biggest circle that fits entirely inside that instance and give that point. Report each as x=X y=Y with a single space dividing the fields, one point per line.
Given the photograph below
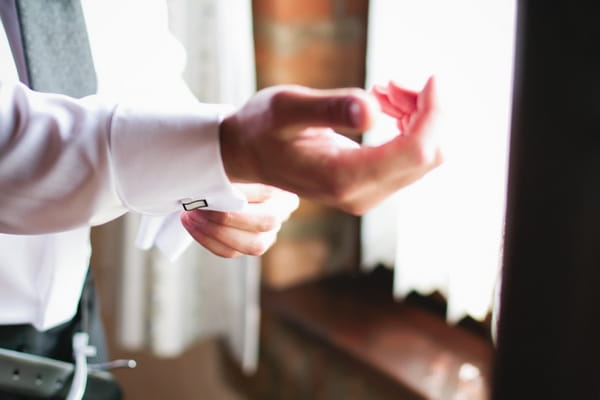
x=346 y=338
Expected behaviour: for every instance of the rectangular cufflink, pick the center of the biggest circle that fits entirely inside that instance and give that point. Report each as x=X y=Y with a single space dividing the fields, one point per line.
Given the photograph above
x=193 y=205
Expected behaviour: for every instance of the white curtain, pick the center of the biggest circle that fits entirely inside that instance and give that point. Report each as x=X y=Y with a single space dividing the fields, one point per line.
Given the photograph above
x=167 y=306
x=445 y=232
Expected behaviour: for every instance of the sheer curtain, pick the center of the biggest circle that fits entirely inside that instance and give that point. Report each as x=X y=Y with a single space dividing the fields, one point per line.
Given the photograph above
x=445 y=232
x=168 y=305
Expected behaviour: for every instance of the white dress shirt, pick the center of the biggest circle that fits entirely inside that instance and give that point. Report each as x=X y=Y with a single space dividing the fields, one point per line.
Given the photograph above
x=142 y=144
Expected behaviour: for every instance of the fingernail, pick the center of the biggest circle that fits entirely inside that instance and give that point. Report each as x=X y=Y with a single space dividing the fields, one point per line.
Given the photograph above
x=379 y=88
x=355 y=114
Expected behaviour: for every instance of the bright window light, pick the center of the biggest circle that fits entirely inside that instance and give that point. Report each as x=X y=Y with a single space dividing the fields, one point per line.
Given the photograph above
x=445 y=232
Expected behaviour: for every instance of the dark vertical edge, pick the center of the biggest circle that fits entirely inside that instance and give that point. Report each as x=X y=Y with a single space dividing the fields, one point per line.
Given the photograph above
x=549 y=328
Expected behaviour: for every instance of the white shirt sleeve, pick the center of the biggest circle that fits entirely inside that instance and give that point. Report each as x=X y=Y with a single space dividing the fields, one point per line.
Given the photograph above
x=65 y=163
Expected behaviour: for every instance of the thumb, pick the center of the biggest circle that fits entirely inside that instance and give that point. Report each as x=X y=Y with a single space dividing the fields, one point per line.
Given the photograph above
x=426 y=108
x=423 y=131
x=340 y=109
x=427 y=98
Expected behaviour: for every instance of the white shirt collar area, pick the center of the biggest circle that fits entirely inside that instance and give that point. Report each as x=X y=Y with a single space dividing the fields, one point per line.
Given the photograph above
x=8 y=70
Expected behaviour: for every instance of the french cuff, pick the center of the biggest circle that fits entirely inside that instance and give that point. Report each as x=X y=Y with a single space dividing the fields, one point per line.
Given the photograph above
x=165 y=233
x=169 y=159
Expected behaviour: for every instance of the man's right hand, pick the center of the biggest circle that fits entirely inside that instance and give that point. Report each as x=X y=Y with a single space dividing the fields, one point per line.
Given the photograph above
x=285 y=136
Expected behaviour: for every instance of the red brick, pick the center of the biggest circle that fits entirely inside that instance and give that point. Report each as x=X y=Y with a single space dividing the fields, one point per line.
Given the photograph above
x=324 y=55
x=355 y=7
x=320 y=65
x=321 y=44
x=285 y=11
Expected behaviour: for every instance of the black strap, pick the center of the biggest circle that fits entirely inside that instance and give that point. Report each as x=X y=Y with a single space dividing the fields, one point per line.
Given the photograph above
x=55 y=347
x=57 y=342
x=26 y=376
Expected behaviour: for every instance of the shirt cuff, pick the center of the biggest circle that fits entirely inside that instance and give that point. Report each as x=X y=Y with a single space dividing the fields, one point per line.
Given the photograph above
x=166 y=233
x=163 y=158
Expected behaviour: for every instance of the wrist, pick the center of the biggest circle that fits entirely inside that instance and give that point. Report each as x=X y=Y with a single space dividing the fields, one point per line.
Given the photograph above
x=234 y=153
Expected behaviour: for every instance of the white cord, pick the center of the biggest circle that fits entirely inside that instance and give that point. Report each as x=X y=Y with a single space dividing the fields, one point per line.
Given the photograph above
x=81 y=351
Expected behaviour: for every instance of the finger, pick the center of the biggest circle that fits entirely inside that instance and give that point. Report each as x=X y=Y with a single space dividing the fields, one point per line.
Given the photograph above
x=381 y=89
x=256 y=192
x=211 y=244
x=420 y=125
x=402 y=118
x=257 y=217
x=419 y=141
x=401 y=98
x=380 y=92
x=402 y=124
x=340 y=109
x=397 y=100
x=427 y=97
x=416 y=150
x=250 y=243
x=387 y=106
x=247 y=221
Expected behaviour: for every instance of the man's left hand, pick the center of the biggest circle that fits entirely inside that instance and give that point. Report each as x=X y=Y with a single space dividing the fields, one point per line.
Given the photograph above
x=249 y=232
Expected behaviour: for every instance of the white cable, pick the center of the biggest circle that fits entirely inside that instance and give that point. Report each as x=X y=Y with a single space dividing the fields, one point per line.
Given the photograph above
x=81 y=350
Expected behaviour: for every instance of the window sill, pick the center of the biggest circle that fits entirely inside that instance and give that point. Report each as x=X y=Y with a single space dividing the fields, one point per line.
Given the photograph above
x=348 y=334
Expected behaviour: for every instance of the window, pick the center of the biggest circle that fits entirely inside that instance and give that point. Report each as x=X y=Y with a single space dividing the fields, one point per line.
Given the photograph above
x=445 y=232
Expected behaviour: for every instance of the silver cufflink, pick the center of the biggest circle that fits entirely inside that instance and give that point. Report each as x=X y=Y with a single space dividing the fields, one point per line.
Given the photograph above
x=193 y=205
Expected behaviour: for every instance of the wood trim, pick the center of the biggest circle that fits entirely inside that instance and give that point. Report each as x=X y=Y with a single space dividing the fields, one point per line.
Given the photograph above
x=406 y=351
x=548 y=345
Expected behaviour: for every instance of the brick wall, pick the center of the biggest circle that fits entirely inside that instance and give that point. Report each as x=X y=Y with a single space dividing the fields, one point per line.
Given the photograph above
x=320 y=44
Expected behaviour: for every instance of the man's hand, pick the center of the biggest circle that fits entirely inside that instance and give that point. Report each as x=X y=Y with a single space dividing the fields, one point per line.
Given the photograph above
x=285 y=137
x=252 y=231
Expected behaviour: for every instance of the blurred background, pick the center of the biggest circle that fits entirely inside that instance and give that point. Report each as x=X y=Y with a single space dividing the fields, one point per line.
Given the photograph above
x=321 y=315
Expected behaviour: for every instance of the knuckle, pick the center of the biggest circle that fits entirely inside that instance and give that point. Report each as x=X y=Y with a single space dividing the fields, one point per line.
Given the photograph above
x=213 y=217
x=279 y=97
x=346 y=191
x=257 y=248
x=337 y=108
x=228 y=253
x=424 y=156
x=268 y=223
x=354 y=208
x=217 y=248
x=264 y=192
x=341 y=188
x=223 y=218
x=341 y=194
